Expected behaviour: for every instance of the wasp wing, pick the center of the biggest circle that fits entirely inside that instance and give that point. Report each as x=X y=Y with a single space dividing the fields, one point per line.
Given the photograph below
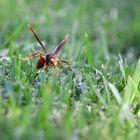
x=36 y=36
x=61 y=45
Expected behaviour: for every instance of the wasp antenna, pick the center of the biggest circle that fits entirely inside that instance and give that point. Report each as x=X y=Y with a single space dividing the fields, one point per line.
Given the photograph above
x=36 y=36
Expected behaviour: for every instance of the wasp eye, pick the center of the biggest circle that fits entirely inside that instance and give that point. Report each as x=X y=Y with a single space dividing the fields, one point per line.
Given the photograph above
x=52 y=60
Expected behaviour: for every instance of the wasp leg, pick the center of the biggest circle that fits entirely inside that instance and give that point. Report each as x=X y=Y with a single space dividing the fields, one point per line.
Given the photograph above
x=45 y=67
x=61 y=63
x=37 y=54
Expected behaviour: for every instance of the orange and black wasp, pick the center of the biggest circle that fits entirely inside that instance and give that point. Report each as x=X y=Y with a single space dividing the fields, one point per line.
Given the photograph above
x=50 y=59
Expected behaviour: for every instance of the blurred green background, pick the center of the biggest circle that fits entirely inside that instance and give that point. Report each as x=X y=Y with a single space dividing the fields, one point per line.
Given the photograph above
x=118 y=20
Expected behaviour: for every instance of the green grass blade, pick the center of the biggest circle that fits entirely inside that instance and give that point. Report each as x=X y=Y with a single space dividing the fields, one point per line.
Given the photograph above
x=131 y=89
x=88 y=48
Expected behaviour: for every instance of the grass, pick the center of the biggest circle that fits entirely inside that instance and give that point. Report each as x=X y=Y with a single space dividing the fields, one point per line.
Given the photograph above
x=98 y=97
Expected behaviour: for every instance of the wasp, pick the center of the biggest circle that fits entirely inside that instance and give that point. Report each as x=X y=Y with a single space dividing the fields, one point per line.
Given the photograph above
x=50 y=59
